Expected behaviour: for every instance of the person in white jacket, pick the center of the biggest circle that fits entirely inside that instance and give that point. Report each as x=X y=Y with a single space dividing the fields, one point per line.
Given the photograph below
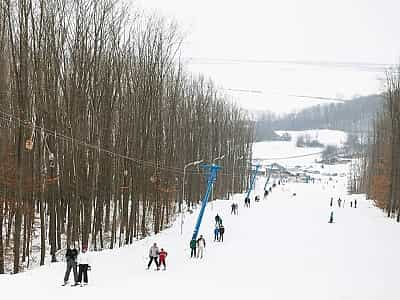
x=153 y=255
x=201 y=244
x=84 y=265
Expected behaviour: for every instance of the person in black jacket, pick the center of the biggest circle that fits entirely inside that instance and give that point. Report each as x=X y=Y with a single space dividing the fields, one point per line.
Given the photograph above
x=221 y=233
x=218 y=220
x=71 y=257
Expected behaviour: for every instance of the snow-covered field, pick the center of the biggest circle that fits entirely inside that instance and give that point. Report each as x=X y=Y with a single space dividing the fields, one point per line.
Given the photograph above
x=324 y=136
x=288 y=155
x=281 y=248
x=285 y=153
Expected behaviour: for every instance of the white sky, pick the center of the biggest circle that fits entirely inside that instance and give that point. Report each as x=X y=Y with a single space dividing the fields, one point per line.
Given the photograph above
x=287 y=30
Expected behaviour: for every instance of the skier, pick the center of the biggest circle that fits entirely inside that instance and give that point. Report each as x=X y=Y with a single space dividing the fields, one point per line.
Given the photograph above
x=201 y=244
x=331 y=217
x=339 y=201
x=163 y=254
x=153 y=255
x=265 y=193
x=193 y=249
x=233 y=208
x=351 y=203
x=71 y=257
x=331 y=201
x=216 y=233
x=355 y=203
x=84 y=265
x=221 y=233
x=236 y=208
x=218 y=220
x=270 y=189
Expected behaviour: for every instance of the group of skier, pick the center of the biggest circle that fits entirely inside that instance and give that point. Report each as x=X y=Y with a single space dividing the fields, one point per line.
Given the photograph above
x=158 y=256
x=247 y=202
x=79 y=263
x=219 y=229
x=341 y=203
x=197 y=247
x=234 y=208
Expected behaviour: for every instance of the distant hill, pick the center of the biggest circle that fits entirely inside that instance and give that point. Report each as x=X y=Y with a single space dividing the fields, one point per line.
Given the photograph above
x=352 y=116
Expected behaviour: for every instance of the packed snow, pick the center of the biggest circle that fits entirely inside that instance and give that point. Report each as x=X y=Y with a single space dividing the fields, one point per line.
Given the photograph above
x=280 y=248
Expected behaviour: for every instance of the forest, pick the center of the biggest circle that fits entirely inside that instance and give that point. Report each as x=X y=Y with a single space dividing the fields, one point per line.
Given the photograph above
x=378 y=172
x=98 y=118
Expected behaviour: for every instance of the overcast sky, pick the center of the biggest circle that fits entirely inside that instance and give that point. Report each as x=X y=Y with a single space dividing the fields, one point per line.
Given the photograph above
x=276 y=35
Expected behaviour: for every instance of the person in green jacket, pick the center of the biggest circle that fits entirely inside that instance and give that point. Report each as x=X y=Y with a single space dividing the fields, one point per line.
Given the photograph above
x=193 y=248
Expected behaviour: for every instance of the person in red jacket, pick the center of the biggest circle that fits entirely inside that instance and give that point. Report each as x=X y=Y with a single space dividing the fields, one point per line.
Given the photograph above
x=162 y=255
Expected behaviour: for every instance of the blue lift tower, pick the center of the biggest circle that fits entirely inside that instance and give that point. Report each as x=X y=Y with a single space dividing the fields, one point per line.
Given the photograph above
x=253 y=179
x=212 y=171
x=269 y=176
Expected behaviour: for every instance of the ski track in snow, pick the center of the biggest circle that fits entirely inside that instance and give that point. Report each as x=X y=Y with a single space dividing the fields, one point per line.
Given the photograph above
x=281 y=248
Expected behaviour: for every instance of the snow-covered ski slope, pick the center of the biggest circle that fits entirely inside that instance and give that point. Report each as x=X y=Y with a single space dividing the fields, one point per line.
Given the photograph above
x=280 y=248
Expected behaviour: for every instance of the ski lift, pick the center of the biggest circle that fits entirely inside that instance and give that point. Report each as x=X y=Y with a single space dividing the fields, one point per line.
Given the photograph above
x=155 y=177
x=51 y=160
x=29 y=144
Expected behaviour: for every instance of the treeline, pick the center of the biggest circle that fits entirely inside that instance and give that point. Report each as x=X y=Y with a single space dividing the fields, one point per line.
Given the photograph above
x=307 y=141
x=355 y=116
x=379 y=174
x=97 y=120
x=264 y=129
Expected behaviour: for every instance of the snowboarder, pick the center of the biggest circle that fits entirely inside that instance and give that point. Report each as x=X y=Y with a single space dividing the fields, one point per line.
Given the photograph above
x=331 y=217
x=163 y=254
x=84 y=265
x=201 y=244
x=193 y=249
x=221 y=233
x=71 y=257
x=216 y=233
x=355 y=203
x=331 y=201
x=153 y=255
